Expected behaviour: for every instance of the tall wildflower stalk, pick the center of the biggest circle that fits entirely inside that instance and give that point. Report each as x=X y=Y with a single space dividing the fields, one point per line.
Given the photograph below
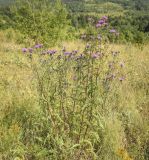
x=75 y=88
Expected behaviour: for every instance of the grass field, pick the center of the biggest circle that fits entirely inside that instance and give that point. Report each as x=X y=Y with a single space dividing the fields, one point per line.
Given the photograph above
x=118 y=131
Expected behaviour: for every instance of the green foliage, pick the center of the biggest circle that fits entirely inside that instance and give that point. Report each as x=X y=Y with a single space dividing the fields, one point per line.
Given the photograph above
x=132 y=28
x=41 y=21
x=47 y=26
x=6 y=2
x=128 y=17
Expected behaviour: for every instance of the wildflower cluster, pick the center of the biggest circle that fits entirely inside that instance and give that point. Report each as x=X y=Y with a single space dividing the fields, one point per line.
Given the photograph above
x=31 y=50
x=102 y=22
x=93 y=53
x=74 y=87
x=38 y=48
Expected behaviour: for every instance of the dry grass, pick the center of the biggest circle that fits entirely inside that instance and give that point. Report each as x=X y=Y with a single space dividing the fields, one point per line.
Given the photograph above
x=126 y=137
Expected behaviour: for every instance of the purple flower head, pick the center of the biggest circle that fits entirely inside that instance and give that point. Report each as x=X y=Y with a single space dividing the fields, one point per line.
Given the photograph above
x=67 y=53
x=113 y=31
x=105 y=18
x=54 y=51
x=98 y=25
x=95 y=56
x=121 y=79
x=30 y=50
x=101 y=21
x=24 y=50
x=38 y=45
x=51 y=52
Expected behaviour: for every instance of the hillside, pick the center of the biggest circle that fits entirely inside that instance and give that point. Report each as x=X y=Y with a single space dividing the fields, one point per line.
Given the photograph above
x=93 y=4
x=74 y=80
x=76 y=5
x=5 y=2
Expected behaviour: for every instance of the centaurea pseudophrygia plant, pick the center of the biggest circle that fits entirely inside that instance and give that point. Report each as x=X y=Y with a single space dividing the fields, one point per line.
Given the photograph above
x=76 y=89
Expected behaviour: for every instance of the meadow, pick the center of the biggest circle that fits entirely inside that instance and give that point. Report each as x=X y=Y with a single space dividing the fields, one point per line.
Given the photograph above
x=71 y=93
x=46 y=114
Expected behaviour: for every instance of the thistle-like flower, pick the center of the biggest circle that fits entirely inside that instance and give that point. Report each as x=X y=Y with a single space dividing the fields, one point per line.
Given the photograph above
x=24 y=50
x=121 y=79
x=51 y=52
x=38 y=46
x=95 y=56
x=67 y=53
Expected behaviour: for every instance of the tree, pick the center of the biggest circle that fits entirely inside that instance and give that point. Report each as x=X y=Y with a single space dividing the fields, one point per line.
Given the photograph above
x=41 y=20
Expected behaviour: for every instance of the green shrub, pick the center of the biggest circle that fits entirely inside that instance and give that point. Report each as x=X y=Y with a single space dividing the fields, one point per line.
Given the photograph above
x=42 y=21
